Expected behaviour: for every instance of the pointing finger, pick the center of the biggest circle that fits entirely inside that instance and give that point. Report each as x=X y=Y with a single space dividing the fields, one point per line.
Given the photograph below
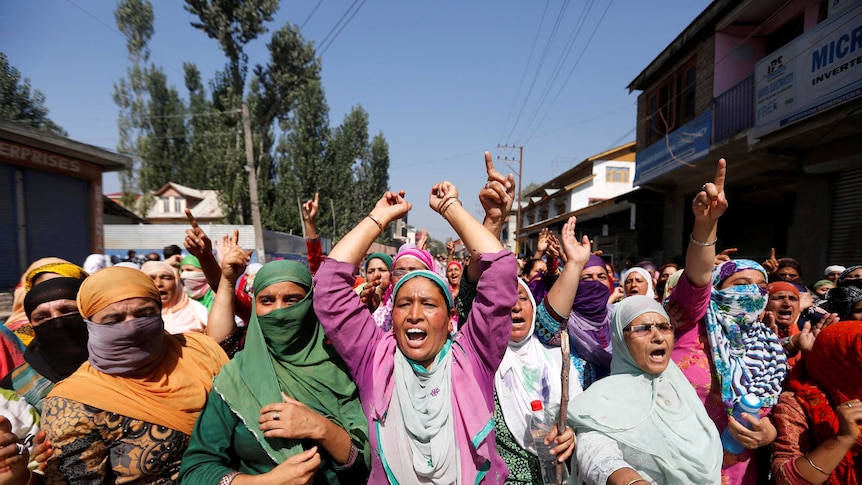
x=234 y=240
x=191 y=218
x=720 y=172
x=772 y=253
x=489 y=163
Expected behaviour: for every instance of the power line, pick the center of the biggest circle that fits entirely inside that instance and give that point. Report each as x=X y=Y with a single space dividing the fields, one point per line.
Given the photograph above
x=547 y=49
x=526 y=67
x=571 y=72
x=114 y=30
x=556 y=71
x=310 y=15
x=323 y=43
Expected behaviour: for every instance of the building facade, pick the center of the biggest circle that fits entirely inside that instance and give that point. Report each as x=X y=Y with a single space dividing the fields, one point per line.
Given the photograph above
x=775 y=88
x=599 y=192
x=50 y=198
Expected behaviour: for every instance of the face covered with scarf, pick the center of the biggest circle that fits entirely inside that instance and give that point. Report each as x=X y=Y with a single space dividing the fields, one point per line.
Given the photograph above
x=194 y=280
x=123 y=312
x=422 y=315
x=746 y=354
x=60 y=345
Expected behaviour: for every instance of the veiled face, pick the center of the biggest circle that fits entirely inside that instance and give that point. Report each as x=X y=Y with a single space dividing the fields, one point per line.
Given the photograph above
x=52 y=309
x=744 y=277
x=522 y=316
x=128 y=309
x=420 y=321
x=650 y=351
x=278 y=295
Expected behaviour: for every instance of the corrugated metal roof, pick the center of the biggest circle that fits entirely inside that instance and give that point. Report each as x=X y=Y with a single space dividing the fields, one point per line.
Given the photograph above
x=126 y=236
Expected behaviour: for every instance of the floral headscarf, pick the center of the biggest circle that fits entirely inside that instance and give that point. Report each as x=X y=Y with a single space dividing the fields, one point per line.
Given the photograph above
x=747 y=355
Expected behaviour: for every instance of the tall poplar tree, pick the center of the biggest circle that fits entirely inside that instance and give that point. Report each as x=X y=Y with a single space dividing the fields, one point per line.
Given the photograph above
x=20 y=102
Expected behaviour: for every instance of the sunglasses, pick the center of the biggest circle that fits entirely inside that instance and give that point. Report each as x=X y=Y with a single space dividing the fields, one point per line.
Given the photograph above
x=646 y=329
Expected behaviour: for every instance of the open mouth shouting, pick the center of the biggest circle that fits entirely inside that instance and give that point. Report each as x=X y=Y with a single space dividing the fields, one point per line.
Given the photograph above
x=416 y=337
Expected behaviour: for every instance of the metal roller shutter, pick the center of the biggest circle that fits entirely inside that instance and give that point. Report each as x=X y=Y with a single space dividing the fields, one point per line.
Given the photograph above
x=845 y=238
x=10 y=270
x=58 y=216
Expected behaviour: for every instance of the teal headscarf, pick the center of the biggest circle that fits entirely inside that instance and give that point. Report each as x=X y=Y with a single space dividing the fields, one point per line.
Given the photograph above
x=434 y=277
x=658 y=415
x=300 y=364
x=387 y=259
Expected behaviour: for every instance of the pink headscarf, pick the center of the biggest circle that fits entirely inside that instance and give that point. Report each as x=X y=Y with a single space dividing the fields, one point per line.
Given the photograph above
x=423 y=256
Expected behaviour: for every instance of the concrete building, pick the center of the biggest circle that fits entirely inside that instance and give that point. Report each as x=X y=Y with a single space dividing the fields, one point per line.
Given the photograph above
x=775 y=88
x=50 y=198
x=599 y=192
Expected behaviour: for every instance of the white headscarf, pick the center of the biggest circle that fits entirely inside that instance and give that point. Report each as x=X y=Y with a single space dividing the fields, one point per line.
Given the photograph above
x=647 y=276
x=531 y=371
x=657 y=415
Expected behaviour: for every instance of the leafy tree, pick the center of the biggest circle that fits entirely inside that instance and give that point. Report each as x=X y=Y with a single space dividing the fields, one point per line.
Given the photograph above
x=20 y=102
x=135 y=20
x=347 y=149
x=233 y=24
x=373 y=178
x=165 y=149
x=301 y=159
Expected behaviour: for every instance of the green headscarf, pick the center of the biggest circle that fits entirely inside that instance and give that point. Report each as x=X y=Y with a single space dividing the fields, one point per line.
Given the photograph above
x=299 y=363
x=657 y=415
x=387 y=259
x=192 y=260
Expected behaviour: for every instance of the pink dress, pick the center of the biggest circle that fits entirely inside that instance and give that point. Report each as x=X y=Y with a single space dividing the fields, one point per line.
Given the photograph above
x=691 y=354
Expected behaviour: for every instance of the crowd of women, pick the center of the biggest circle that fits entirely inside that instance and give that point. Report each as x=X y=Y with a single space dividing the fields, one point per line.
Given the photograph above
x=368 y=368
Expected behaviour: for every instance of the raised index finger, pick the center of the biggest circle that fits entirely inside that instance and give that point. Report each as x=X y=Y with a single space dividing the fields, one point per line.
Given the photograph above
x=720 y=172
x=489 y=163
x=191 y=218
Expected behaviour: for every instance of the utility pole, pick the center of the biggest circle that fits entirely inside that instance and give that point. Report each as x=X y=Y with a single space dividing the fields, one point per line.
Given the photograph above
x=518 y=199
x=252 y=186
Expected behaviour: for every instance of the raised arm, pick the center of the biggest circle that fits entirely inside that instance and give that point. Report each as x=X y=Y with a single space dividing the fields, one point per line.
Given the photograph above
x=199 y=245
x=444 y=201
x=708 y=205
x=562 y=294
x=353 y=246
x=496 y=198
x=221 y=321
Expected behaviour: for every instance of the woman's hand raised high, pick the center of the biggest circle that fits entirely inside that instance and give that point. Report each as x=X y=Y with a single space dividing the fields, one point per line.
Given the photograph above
x=390 y=207
x=440 y=196
x=710 y=203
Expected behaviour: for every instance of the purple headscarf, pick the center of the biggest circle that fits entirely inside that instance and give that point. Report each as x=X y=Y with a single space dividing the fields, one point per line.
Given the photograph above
x=589 y=320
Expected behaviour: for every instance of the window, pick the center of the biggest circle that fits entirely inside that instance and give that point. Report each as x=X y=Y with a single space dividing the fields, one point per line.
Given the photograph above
x=560 y=207
x=617 y=175
x=543 y=213
x=166 y=204
x=178 y=205
x=672 y=104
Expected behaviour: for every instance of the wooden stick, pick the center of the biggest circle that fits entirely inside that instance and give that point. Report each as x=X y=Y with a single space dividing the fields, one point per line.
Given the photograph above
x=564 y=394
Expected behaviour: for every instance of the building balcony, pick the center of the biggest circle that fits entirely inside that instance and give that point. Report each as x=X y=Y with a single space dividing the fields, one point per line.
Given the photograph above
x=733 y=111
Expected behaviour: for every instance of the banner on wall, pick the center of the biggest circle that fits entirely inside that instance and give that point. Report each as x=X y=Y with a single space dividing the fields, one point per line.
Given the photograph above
x=685 y=145
x=817 y=71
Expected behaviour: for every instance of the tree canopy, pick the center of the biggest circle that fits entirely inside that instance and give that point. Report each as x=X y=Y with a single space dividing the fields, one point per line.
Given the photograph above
x=20 y=102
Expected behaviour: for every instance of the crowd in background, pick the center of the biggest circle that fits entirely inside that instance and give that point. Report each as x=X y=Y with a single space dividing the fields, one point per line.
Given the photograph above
x=363 y=366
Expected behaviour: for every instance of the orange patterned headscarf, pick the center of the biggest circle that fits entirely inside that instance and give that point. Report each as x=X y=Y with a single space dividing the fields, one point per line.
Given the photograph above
x=829 y=375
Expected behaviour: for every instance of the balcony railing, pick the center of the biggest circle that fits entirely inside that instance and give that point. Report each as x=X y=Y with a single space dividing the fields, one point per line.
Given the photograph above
x=733 y=111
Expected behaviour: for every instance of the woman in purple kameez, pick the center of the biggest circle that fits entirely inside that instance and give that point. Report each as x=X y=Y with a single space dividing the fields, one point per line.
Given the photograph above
x=424 y=388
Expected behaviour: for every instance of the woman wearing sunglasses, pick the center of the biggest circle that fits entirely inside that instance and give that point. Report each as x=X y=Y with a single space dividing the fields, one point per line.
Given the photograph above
x=644 y=423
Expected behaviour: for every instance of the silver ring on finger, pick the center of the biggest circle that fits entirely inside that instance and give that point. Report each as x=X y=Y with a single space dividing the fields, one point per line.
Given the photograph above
x=20 y=449
x=275 y=416
x=849 y=405
x=703 y=187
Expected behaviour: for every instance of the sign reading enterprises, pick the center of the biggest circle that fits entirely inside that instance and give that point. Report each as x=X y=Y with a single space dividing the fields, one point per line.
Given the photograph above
x=818 y=70
x=685 y=145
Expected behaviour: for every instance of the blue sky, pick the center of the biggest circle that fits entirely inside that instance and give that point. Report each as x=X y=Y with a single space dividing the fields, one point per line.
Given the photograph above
x=443 y=80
